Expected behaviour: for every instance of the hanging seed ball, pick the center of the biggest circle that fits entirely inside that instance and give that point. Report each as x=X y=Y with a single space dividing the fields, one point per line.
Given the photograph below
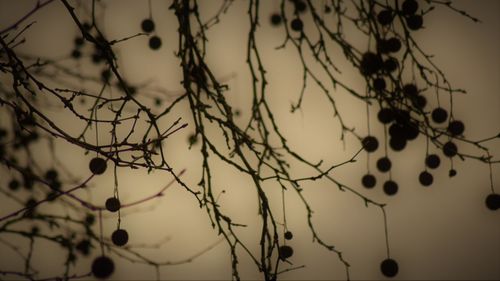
x=397 y=144
x=452 y=173
x=76 y=54
x=113 y=204
x=97 y=57
x=439 y=115
x=14 y=185
x=285 y=252
x=370 y=143
x=105 y=75
x=391 y=45
x=410 y=130
x=97 y=166
x=154 y=43
x=409 y=7
x=385 y=115
x=90 y=219
x=493 y=201
x=148 y=25
x=419 y=101
x=296 y=24
x=414 y=22
x=83 y=247
x=425 y=178
x=370 y=64
x=288 y=235
x=385 y=17
x=276 y=19
x=192 y=139
x=379 y=84
x=103 y=267
x=450 y=149
x=51 y=175
x=79 y=41
x=391 y=64
x=390 y=187
x=368 y=181
x=432 y=161
x=410 y=90
x=119 y=237
x=384 y=164
x=86 y=26
x=389 y=267
x=456 y=128
x=300 y=6
x=402 y=117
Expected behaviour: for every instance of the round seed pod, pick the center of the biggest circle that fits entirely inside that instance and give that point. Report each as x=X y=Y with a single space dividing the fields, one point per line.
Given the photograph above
x=119 y=237
x=97 y=166
x=103 y=267
x=389 y=267
x=369 y=181
x=113 y=204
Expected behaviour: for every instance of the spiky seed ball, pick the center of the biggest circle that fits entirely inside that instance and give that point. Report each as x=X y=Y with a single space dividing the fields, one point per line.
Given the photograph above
x=410 y=130
x=148 y=25
x=297 y=24
x=390 y=187
x=288 y=235
x=51 y=175
x=97 y=166
x=379 y=84
x=76 y=54
x=83 y=247
x=439 y=115
x=452 y=173
x=432 y=161
x=370 y=63
x=90 y=219
x=389 y=267
x=414 y=22
x=493 y=201
x=300 y=6
x=103 y=267
x=456 y=128
x=385 y=17
x=419 y=101
x=410 y=90
x=370 y=143
x=369 y=181
x=391 y=64
x=285 y=252
x=276 y=19
x=14 y=185
x=425 y=178
x=113 y=204
x=154 y=43
x=384 y=164
x=385 y=115
x=402 y=117
x=79 y=41
x=119 y=237
x=409 y=7
x=391 y=45
x=450 y=149
x=397 y=144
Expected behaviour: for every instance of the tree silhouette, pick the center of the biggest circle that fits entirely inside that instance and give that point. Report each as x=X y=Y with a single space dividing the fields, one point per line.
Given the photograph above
x=120 y=126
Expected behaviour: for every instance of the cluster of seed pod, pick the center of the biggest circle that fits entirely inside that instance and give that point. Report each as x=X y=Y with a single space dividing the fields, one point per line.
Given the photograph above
x=148 y=26
x=403 y=107
x=103 y=266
